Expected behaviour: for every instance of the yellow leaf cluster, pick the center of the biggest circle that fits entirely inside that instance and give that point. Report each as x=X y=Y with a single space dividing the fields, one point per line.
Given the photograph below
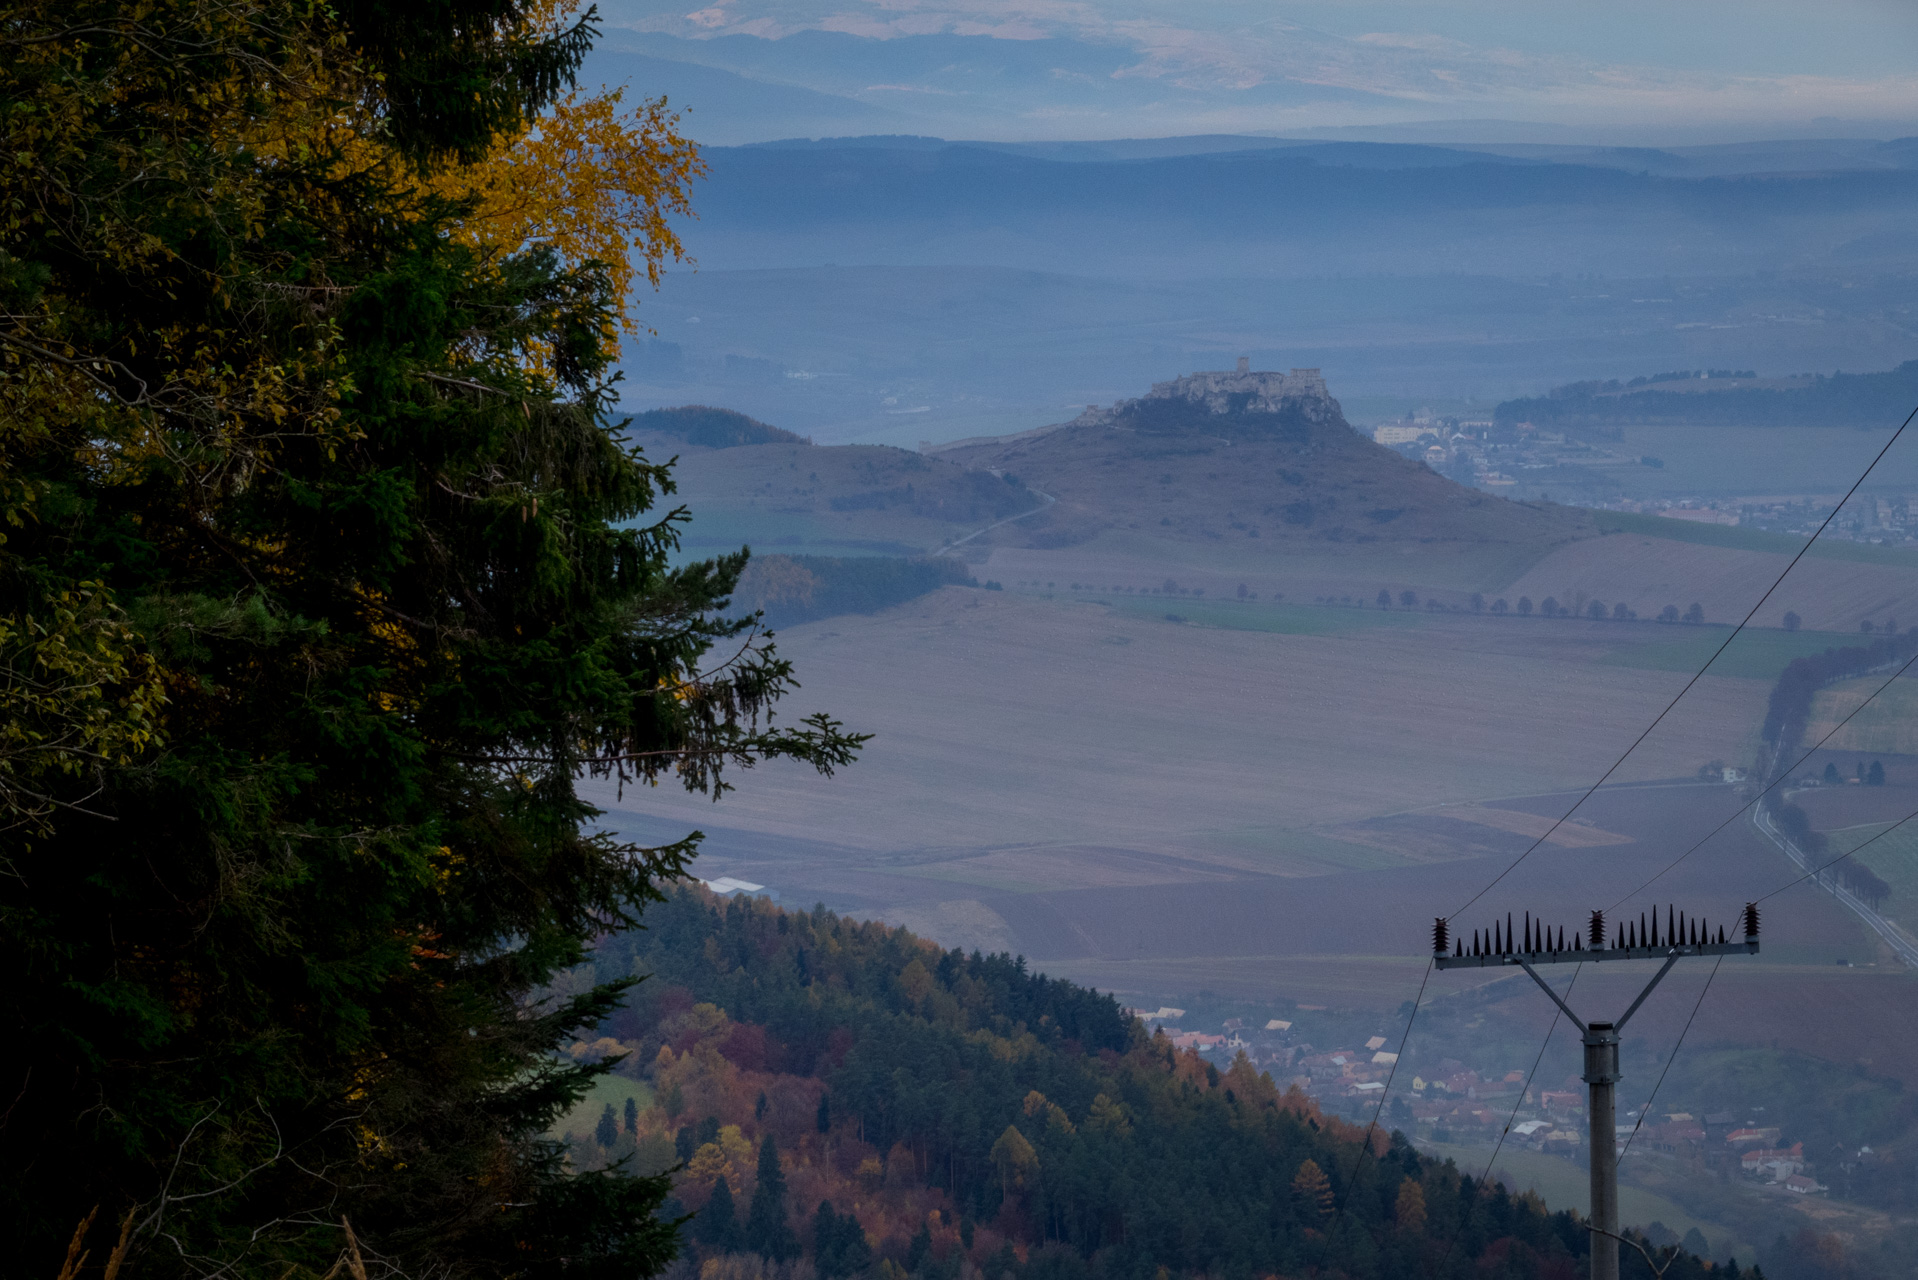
x=596 y=180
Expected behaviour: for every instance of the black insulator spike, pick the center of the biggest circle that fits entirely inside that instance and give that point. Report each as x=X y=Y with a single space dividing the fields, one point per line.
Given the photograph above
x=1458 y=948
x=1643 y=932
x=1671 y=917
x=1441 y=936
x=1578 y=943
x=1509 y=948
x=1721 y=935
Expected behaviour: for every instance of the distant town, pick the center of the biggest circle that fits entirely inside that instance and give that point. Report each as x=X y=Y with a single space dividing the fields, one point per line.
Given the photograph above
x=1460 y=1104
x=1501 y=459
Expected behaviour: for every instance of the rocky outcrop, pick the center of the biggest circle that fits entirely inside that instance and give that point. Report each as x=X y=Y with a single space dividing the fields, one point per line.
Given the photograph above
x=1241 y=390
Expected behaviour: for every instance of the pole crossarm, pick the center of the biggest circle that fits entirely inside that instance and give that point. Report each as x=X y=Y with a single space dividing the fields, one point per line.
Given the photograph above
x=1740 y=948
x=1647 y=938
x=1542 y=986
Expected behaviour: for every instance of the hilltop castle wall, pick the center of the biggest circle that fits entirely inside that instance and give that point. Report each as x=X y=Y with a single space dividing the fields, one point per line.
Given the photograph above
x=1217 y=391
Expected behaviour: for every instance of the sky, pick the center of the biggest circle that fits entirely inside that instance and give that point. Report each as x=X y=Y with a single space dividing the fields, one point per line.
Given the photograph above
x=1054 y=69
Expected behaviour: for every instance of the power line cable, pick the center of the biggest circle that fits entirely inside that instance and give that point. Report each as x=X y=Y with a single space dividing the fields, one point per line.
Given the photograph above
x=1736 y=631
x=1646 y=1109
x=1586 y=795
x=1740 y=811
x=1465 y=1214
x=1821 y=869
x=1365 y=1147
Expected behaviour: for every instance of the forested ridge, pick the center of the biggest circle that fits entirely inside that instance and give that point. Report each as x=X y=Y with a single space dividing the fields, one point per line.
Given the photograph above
x=1843 y=399
x=975 y=1117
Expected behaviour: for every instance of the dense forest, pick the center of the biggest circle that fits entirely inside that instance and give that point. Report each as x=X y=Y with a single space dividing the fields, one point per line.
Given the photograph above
x=708 y=428
x=795 y=589
x=849 y=1094
x=1841 y=400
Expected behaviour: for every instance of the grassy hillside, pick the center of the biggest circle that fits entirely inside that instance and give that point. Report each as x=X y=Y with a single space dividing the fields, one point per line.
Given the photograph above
x=886 y=1106
x=834 y=499
x=710 y=428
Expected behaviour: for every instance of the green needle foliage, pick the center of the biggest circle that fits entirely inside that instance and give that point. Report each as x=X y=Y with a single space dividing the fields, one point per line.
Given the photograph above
x=327 y=575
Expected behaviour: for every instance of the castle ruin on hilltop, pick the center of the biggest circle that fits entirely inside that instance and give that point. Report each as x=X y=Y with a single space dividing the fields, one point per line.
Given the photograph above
x=1223 y=391
x=1218 y=391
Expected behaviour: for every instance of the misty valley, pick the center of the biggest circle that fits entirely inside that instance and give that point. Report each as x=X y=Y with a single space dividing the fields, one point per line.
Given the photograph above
x=959 y=640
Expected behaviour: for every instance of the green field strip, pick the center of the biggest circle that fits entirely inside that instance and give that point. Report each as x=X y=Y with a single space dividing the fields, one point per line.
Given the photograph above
x=1254 y=615
x=1738 y=539
x=614 y=1089
x=1759 y=653
x=1892 y=858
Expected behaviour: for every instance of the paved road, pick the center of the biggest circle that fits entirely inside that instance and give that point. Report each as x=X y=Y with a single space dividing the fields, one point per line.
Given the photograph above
x=1879 y=925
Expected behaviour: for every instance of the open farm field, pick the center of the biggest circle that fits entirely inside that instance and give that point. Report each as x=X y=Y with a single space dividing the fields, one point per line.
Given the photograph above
x=1078 y=724
x=1162 y=808
x=1828 y=593
x=1889 y=726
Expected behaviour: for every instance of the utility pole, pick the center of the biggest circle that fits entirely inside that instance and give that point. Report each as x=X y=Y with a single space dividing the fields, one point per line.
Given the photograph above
x=1641 y=941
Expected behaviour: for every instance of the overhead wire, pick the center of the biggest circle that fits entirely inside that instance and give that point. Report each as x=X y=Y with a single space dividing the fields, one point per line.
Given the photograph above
x=1523 y=1090
x=1740 y=811
x=1671 y=1058
x=1365 y=1147
x=1823 y=867
x=1680 y=695
x=1591 y=790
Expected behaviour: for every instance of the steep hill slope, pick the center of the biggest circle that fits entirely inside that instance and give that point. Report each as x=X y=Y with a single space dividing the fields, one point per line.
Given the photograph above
x=925 y=1112
x=1248 y=457
x=747 y=482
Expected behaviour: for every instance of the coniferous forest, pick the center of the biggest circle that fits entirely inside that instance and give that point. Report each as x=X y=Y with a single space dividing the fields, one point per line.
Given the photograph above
x=974 y=1117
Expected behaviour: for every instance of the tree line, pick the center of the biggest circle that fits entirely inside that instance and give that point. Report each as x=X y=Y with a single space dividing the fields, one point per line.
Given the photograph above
x=1843 y=399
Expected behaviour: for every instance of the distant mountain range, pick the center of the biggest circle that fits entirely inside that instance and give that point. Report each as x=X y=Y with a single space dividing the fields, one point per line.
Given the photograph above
x=1273 y=210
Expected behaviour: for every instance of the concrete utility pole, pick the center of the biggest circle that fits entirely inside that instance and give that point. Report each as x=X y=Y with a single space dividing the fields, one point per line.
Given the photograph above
x=1640 y=941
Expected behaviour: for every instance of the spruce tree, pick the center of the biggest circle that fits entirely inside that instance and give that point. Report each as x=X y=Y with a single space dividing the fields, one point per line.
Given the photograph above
x=767 y=1231
x=607 y=1130
x=334 y=576
x=632 y=1115
x=717 y=1225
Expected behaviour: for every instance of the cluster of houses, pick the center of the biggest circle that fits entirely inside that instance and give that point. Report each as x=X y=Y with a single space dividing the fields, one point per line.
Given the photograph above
x=1457 y=1103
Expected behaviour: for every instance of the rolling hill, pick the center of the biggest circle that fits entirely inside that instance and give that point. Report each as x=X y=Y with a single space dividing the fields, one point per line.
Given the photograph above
x=747 y=482
x=1265 y=460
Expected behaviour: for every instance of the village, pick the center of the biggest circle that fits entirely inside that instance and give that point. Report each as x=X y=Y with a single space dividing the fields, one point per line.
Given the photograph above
x=1515 y=459
x=1458 y=1104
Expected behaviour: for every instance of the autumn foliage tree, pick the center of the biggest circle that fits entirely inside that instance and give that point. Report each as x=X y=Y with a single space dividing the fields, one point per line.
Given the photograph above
x=327 y=574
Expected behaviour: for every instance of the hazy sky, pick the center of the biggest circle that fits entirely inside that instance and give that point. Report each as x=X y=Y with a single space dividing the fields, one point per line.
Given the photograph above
x=1220 y=63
